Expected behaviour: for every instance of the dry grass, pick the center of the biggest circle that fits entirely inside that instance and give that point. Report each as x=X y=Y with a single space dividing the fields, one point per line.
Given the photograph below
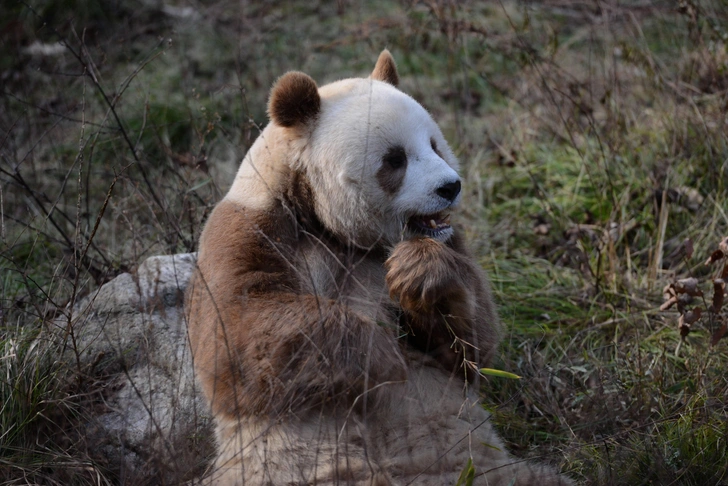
x=593 y=142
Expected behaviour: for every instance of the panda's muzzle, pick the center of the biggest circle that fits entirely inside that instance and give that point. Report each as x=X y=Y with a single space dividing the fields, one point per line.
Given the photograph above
x=436 y=225
x=432 y=225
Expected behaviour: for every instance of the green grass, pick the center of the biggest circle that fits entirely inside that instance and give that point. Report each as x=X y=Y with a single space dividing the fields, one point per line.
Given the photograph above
x=569 y=125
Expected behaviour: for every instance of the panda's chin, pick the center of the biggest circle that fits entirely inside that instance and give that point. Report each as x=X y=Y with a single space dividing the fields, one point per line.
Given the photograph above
x=435 y=226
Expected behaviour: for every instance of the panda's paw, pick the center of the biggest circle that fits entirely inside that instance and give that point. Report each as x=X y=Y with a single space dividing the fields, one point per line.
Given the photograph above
x=423 y=275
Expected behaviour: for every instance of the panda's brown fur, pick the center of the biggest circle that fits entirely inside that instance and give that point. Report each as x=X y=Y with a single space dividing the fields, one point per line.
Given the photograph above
x=332 y=359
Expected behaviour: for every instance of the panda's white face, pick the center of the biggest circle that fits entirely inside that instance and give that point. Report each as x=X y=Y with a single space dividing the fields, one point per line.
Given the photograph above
x=379 y=165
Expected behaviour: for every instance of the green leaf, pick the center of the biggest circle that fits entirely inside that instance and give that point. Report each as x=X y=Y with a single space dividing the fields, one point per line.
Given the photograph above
x=491 y=446
x=499 y=373
x=467 y=475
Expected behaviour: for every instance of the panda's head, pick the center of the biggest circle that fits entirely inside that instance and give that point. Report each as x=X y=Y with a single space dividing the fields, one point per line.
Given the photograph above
x=377 y=164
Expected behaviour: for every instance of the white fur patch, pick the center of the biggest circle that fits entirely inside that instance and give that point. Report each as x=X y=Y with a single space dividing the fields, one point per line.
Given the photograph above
x=265 y=168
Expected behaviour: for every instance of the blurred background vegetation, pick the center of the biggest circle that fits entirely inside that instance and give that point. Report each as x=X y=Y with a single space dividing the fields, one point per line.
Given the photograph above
x=594 y=146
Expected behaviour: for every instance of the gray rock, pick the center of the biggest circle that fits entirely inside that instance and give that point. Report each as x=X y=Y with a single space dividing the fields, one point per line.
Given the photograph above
x=131 y=338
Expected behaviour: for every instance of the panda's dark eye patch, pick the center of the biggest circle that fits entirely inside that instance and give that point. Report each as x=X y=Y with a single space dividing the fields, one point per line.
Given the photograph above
x=394 y=166
x=395 y=158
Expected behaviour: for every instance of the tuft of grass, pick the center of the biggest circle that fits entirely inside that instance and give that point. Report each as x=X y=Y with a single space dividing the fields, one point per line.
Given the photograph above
x=42 y=415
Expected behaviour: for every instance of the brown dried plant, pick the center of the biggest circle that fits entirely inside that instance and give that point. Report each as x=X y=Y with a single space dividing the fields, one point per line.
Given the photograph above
x=681 y=293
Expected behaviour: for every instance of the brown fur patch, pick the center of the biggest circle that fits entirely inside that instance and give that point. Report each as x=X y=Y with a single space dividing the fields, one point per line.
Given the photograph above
x=294 y=100
x=260 y=345
x=446 y=300
x=394 y=167
x=386 y=69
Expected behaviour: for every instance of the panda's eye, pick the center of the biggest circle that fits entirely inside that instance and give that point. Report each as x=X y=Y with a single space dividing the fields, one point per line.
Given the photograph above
x=395 y=158
x=433 y=144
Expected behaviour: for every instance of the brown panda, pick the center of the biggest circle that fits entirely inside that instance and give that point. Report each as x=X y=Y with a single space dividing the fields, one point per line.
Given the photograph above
x=336 y=319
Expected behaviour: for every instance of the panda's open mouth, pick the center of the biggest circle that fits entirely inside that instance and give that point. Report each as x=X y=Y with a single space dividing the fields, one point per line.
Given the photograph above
x=433 y=225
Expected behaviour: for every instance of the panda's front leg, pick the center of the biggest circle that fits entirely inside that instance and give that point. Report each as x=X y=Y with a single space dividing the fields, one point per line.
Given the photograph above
x=437 y=288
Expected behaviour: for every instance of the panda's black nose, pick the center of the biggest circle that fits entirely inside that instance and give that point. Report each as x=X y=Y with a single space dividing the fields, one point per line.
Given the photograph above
x=449 y=191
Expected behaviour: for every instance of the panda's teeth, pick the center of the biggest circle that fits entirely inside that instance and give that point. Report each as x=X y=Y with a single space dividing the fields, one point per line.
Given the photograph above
x=446 y=221
x=433 y=224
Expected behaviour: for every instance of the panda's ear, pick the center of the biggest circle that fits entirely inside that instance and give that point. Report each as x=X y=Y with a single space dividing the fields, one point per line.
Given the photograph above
x=294 y=100
x=386 y=69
